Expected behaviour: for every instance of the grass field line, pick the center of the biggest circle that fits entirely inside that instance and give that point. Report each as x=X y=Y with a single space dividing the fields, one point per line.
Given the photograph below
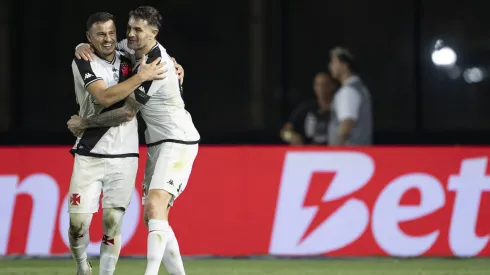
x=238 y=272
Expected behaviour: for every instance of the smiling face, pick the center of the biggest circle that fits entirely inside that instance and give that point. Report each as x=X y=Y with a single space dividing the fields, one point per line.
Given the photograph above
x=143 y=26
x=102 y=36
x=140 y=34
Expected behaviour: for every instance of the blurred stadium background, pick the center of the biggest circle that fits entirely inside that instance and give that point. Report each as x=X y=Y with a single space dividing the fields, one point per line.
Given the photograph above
x=248 y=64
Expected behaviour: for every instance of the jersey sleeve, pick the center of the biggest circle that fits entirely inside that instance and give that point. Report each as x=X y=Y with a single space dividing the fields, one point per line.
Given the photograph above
x=348 y=103
x=146 y=90
x=76 y=73
x=85 y=72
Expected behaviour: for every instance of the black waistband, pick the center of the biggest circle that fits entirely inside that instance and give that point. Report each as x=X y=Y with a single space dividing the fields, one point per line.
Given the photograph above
x=95 y=155
x=174 y=141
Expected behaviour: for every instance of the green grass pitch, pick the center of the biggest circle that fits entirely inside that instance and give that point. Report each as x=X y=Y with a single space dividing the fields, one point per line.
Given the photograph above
x=277 y=267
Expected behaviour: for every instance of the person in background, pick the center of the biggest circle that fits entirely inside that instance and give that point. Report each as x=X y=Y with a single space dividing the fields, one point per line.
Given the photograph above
x=351 y=112
x=308 y=123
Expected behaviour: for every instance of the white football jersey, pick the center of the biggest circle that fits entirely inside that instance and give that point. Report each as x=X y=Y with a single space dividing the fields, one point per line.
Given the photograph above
x=110 y=142
x=164 y=109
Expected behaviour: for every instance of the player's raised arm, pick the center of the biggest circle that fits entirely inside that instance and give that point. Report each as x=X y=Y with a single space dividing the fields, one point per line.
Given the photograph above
x=179 y=70
x=108 y=96
x=84 y=51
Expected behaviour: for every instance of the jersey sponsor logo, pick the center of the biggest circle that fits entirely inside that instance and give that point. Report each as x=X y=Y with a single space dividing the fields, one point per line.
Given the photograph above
x=141 y=88
x=87 y=76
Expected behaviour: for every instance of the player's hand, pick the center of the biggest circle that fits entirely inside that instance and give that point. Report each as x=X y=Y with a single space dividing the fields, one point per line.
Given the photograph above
x=292 y=137
x=180 y=71
x=75 y=125
x=84 y=52
x=152 y=71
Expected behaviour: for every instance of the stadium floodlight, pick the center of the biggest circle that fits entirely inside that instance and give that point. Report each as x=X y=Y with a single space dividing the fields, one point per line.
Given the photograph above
x=444 y=56
x=474 y=75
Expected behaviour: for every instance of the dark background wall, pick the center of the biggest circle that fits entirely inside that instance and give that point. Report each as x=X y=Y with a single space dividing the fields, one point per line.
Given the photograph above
x=4 y=67
x=248 y=63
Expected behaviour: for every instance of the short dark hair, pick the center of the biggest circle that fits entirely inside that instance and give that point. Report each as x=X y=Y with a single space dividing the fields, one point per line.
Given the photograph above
x=346 y=57
x=150 y=14
x=99 y=17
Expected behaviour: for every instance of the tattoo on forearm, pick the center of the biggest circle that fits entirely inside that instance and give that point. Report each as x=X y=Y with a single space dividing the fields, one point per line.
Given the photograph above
x=132 y=104
x=114 y=117
x=110 y=118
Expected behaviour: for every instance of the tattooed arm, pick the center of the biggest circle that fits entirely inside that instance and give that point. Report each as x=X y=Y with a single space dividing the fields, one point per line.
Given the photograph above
x=110 y=118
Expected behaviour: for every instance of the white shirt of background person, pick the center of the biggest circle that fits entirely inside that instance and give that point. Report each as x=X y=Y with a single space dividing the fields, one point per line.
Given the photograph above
x=347 y=101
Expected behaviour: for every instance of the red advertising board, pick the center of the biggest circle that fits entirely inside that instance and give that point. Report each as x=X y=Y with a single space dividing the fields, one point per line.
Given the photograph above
x=244 y=200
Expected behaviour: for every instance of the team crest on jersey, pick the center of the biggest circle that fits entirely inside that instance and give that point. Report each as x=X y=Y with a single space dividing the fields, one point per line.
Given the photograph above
x=125 y=69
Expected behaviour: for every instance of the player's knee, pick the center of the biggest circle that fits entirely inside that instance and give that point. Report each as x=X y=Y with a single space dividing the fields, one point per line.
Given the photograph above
x=112 y=220
x=152 y=210
x=156 y=204
x=79 y=224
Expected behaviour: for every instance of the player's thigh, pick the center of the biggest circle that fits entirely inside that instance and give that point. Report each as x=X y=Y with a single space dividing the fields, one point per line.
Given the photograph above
x=188 y=156
x=85 y=185
x=173 y=168
x=168 y=164
x=119 y=181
